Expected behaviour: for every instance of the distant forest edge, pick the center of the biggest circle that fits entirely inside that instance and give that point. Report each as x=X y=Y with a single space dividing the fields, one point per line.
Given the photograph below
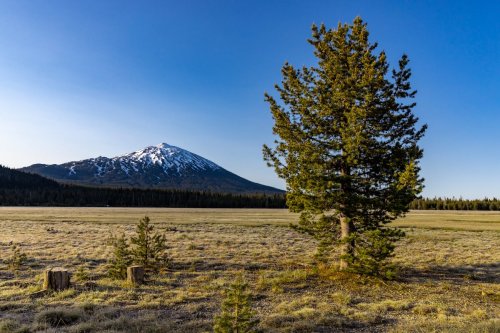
x=455 y=204
x=23 y=189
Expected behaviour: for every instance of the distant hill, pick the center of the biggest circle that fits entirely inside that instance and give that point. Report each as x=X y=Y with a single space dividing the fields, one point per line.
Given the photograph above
x=157 y=167
x=14 y=179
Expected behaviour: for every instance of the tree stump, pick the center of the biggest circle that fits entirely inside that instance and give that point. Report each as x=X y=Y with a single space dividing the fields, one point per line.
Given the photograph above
x=135 y=275
x=56 y=279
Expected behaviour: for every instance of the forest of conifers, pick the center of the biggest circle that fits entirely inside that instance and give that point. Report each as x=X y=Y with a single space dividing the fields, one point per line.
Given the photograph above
x=75 y=196
x=23 y=189
x=455 y=204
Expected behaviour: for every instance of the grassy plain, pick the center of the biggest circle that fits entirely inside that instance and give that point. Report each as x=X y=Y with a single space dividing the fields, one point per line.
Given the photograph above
x=449 y=277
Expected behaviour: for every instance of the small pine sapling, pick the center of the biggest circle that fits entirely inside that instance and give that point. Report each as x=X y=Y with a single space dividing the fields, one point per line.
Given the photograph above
x=17 y=258
x=82 y=274
x=121 y=259
x=149 y=248
x=236 y=315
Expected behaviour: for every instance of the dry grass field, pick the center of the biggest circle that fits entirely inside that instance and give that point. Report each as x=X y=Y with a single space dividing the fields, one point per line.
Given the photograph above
x=449 y=279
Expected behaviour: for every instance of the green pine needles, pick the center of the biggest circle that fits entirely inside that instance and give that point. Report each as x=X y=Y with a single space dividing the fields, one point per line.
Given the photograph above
x=17 y=258
x=146 y=248
x=121 y=258
x=149 y=248
x=373 y=248
x=237 y=315
x=347 y=146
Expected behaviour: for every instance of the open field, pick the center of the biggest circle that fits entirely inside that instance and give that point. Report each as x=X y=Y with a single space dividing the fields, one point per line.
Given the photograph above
x=449 y=274
x=452 y=220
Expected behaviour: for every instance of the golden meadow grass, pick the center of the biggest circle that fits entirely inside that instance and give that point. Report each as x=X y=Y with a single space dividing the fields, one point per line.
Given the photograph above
x=449 y=274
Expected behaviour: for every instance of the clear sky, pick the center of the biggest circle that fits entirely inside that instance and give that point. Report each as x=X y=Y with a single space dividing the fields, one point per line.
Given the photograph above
x=79 y=79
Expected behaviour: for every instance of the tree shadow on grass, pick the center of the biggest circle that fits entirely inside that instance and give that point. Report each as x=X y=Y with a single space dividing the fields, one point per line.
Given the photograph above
x=218 y=265
x=484 y=273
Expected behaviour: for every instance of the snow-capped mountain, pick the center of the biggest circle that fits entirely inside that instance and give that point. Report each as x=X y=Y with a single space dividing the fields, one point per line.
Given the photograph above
x=160 y=166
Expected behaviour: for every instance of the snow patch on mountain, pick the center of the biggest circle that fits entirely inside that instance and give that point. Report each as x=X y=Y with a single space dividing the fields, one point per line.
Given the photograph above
x=169 y=159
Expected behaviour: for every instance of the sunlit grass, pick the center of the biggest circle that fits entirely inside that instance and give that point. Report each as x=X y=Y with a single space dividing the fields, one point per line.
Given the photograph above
x=449 y=266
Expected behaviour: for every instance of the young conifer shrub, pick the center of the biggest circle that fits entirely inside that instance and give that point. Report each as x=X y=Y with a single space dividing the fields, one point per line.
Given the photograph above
x=17 y=258
x=121 y=257
x=236 y=315
x=149 y=248
x=82 y=274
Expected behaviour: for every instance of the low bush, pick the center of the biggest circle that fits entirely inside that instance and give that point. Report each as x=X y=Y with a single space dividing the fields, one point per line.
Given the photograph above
x=237 y=314
x=121 y=258
x=17 y=258
x=59 y=316
x=146 y=248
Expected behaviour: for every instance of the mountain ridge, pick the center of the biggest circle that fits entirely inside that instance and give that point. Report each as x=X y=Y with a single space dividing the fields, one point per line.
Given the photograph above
x=158 y=167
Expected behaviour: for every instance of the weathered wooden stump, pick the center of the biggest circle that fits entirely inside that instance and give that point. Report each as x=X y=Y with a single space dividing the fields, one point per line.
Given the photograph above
x=135 y=275
x=56 y=279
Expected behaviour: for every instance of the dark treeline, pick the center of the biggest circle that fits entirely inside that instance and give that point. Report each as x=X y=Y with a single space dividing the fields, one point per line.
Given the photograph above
x=23 y=189
x=456 y=204
x=67 y=195
x=10 y=179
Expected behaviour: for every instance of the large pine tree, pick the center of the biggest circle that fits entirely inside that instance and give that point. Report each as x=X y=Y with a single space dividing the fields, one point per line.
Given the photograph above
x=347 y=143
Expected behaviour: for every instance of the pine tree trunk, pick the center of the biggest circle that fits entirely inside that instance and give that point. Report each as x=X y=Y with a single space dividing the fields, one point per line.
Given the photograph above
x=346 y=228
x=135 y=275
x=56 y=279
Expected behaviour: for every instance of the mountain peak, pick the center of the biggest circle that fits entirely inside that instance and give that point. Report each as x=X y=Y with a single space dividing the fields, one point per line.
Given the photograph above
x=164 y=145
x=169 y=158
x=159 y=166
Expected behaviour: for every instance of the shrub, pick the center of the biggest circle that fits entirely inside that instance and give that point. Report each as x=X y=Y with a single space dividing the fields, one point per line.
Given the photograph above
x=149 y=248
x=121 y=258
x=17 y=258
x=237 y=314
x=82 y=274
x=59 y=317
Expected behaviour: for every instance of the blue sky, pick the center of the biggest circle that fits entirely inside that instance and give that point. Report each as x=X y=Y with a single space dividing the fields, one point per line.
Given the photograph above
x=80 y=79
